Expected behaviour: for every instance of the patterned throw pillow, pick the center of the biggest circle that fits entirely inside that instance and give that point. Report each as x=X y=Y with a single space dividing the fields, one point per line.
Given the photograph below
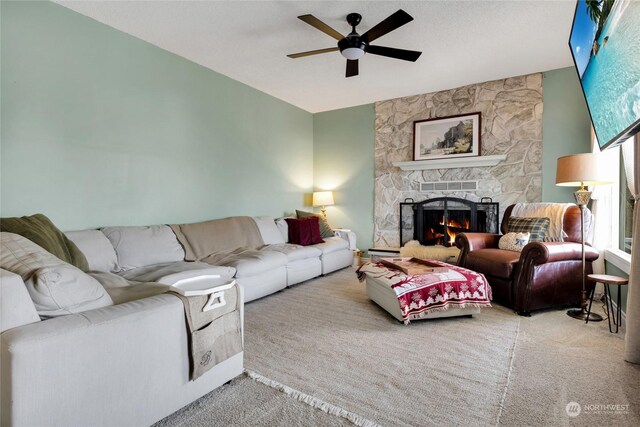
x=537 y=227
x=514 y=241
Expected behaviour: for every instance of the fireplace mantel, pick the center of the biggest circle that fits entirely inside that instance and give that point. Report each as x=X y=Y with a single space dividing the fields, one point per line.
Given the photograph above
x=460 y=162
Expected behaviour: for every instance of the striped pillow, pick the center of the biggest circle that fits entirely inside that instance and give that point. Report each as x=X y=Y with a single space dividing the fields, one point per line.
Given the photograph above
x=536 y=227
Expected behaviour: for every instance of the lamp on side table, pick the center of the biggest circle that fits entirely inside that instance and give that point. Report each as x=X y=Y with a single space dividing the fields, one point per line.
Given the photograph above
x=580 y=170
x=323 y=199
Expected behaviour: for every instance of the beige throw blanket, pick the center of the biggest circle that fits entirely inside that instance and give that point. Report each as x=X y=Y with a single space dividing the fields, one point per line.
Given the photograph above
x=214 y=335
x=211 y=241
x=554 y=211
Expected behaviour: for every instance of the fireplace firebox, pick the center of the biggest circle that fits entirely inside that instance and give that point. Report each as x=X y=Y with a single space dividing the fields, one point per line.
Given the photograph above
x=437 y=221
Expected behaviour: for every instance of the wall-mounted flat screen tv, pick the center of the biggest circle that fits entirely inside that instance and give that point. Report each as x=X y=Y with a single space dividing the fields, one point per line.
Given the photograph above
x=605 y=44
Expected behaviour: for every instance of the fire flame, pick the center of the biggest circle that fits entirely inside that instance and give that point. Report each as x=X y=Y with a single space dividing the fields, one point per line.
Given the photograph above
x=452 y=236
x=453 y=223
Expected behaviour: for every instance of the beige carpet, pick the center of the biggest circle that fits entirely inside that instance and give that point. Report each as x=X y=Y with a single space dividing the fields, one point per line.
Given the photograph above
x=560 y=360
x=245 y=402
x=327 y=339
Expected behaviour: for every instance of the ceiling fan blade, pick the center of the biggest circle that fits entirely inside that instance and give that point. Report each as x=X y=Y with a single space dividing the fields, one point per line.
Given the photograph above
x=312 y=52
x=406 y=55
x=315 y=22
x=395 y=20
x=352 y=68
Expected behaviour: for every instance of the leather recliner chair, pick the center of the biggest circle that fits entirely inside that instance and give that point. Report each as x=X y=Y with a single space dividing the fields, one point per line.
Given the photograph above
x=543 y=275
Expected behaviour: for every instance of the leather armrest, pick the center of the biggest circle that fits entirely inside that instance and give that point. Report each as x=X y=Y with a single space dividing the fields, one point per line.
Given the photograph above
x=475 y=241
x=544 y=252
x=469 y=242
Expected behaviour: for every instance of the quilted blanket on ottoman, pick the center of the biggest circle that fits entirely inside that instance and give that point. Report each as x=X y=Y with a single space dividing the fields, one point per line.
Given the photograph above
x=420 y=295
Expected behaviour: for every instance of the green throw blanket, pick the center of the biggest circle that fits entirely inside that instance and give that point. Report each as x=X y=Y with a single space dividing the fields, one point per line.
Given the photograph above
x=41 y=231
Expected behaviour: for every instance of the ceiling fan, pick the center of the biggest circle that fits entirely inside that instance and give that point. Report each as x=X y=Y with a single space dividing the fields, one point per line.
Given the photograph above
x=354 y=45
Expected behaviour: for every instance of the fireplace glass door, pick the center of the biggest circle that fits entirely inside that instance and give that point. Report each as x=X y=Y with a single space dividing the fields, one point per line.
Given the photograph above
x=437 y=221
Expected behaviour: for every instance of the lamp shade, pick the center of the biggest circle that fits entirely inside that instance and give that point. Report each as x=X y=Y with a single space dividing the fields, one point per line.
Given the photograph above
x=322 y=198
x=579 y=169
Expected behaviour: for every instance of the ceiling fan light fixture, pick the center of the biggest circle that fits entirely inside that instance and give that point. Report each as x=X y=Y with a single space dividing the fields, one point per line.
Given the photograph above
x=353 y=46
x=352 y=53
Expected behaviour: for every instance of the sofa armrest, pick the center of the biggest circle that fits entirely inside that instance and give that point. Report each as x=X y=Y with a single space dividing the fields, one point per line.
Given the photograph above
x=347 y=235
x=123 y=351
x=16 y=306
x=469 y=242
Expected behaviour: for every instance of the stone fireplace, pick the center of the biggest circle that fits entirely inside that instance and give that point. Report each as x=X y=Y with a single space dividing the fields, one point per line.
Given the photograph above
x=437 y=221
x=511 y=126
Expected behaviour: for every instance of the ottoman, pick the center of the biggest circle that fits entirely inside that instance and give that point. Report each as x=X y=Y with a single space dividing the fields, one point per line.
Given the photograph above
x=454 y=292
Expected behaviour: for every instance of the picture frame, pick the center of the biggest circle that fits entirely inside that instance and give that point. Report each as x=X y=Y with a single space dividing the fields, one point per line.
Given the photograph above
x=447 y=137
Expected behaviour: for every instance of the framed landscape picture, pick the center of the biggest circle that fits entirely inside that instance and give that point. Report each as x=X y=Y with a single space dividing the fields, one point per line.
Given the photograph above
x=447 y=137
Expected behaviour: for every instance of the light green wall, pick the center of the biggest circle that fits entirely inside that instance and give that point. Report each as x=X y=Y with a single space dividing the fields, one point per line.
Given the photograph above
x=343 y=161
x=566 y=128
x=101 y=128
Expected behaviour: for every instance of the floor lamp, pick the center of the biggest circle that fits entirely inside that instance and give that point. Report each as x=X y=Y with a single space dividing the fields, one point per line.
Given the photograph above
x=580 y=170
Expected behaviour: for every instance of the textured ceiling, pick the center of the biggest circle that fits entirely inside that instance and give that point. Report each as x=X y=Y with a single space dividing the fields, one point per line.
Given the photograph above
x=462 y=42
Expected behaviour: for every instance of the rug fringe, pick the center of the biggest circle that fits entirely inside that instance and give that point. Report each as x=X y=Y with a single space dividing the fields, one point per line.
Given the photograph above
x=312 y=401
x=462 y=305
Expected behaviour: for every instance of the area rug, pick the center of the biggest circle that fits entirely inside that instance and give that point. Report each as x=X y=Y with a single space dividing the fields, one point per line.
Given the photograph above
x=246 y=401
x=326 y=339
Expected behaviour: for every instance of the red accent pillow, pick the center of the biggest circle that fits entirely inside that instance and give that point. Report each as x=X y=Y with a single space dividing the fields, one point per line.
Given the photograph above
x=304 y=231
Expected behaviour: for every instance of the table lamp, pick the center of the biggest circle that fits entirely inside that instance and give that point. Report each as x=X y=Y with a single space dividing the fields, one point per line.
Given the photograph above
x=580 y=170
x=323 y=199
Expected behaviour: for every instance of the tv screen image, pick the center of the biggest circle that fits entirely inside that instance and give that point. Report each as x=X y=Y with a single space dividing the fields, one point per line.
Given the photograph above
x=605 y=45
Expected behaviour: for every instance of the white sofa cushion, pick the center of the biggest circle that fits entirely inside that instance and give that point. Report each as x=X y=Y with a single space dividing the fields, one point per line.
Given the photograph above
x=268 y=230
x=303 y=270
x=332 y=244
x=56 y=287
x=142 y=246
x=295 y=252
x=283 y=227
x=156 y=272
x=96 y=248
x=251 y=263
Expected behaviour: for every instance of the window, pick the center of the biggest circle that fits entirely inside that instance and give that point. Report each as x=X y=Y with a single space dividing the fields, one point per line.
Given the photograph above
x=614 y=206
x=625 y=209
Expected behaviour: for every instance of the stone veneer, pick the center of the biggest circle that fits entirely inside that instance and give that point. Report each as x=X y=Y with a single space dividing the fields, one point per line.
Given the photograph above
x=511 y=123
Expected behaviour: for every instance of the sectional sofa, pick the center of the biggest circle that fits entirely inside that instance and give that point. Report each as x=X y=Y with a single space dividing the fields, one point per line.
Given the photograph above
x=127 y=363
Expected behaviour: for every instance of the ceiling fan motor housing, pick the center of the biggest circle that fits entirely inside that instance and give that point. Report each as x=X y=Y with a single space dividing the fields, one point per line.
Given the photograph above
x=353 y=46
x=352 y=42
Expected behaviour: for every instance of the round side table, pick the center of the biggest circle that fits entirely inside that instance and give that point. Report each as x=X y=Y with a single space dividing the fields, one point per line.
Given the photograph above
x=607 y=280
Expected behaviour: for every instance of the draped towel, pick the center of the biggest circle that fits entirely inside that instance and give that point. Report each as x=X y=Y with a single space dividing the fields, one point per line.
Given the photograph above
x=213 y=240
x=554 y=211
